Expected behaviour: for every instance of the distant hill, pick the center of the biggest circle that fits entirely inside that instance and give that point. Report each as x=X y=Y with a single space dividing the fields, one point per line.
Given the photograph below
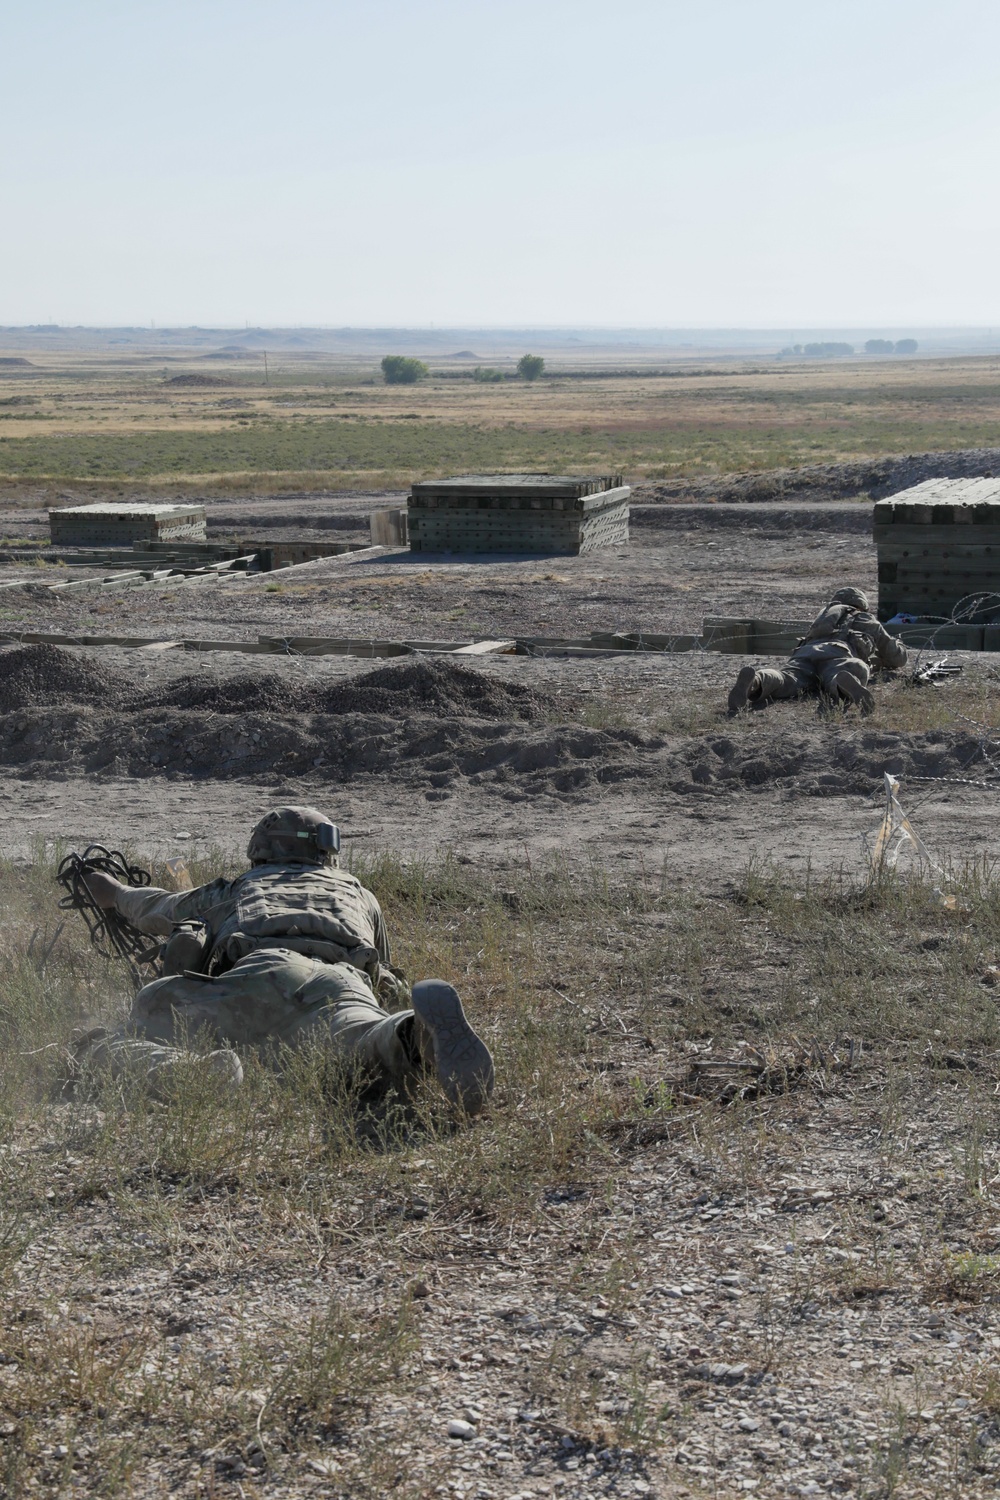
x=456 y=344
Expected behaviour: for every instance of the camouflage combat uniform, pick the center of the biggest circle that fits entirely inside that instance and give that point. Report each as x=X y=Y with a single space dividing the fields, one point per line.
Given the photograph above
x=293 y=952
x=835 y=656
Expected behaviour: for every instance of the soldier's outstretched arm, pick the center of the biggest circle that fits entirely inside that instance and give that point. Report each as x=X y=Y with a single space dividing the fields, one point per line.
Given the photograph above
x=158 y=912
x=890 y=650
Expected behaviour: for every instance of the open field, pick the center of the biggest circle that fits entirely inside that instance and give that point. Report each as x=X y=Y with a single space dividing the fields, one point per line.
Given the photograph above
x=731 y=1223
x=105 y=421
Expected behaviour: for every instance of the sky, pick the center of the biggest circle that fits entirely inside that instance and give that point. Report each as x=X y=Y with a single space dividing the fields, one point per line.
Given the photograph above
x=646 y=163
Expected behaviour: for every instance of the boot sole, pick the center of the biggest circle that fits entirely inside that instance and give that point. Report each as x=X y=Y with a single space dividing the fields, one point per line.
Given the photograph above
x=740 y=695
x=462 y=1060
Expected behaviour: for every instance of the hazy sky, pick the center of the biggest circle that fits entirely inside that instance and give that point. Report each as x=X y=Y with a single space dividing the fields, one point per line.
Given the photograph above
x=704 y=163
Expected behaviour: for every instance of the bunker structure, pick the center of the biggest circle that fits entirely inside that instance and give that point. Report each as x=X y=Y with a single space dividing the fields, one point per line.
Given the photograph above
x=939 y=554
x=539 y=514
x=122 y=525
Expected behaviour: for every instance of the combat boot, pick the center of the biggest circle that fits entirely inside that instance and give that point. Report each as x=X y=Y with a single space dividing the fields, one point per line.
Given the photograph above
x=849 y=686
x=747 y=688
x=222 y=1066
x=447 y=1043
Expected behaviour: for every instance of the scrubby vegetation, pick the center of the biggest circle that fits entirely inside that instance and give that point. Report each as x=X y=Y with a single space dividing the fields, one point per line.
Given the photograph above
x=312 y=429
x=399 y=369
x=252 y=1289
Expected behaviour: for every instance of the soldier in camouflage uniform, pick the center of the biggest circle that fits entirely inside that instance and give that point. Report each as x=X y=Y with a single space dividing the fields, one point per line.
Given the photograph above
x=835 y=656
x=293 y=950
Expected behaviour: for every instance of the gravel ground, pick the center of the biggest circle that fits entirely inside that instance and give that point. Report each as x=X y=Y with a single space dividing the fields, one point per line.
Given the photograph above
x=667 y=579
x=782 y=1298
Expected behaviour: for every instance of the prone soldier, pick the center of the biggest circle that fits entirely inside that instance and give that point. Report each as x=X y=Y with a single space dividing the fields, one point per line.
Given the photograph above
x=293 y=950
x=835 y=656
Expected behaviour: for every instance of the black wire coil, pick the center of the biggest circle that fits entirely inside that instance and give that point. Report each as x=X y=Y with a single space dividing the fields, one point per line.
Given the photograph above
x=110 y=933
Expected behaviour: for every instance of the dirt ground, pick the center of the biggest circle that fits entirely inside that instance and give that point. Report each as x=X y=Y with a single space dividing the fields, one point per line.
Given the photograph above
x=795 y=1297
x=684 y=562
x=630 y=758
x=786 y=786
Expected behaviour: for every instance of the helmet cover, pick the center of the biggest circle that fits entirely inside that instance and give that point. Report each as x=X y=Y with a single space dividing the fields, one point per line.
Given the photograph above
x=294 y=836
x=854 y=598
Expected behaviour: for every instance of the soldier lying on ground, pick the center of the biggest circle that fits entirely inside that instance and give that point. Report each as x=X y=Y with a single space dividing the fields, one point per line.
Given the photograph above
x=294 y=950
x=835 y=657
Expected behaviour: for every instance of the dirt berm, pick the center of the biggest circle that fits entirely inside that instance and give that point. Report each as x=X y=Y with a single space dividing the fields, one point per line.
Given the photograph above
x=430 y=724
x=874 y=477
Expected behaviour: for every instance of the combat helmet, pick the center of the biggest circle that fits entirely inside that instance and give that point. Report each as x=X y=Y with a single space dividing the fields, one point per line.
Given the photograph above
x=853 y=598
x=294 y=836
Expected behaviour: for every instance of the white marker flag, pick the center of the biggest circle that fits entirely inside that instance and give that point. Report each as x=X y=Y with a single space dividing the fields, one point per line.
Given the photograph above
x=895 y=832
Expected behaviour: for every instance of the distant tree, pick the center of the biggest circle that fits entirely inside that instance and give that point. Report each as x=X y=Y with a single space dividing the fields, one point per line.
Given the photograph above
x=879 y=346
x=530 y=366
x=906 y=346
x=487 y=375
x=827 y=351
x=399 y=369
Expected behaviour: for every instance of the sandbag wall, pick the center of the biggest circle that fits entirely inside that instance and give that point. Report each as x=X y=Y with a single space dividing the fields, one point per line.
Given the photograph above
x=939 y=554
x=543 y=514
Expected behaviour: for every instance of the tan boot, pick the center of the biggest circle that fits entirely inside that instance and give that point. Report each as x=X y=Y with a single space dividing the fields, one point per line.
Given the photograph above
x=222 y=1065
x=447 y=1042
x=847 y=684
x=747 y=688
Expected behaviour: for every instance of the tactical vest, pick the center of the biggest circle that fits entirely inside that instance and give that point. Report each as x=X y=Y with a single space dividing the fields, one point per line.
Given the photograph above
x=311 y=909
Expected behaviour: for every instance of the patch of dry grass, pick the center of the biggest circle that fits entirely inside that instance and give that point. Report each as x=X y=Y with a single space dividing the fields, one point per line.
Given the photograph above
x=963 y=705
x=319 y=426
x=207 y=1293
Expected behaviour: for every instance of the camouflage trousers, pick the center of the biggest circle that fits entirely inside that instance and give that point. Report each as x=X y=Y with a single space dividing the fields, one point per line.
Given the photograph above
x=271 y=999
x=813 y=666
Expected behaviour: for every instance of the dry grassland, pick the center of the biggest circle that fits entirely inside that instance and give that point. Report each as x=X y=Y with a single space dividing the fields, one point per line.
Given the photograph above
x=732 y=1223
x=102 y=420
x=638 y=1275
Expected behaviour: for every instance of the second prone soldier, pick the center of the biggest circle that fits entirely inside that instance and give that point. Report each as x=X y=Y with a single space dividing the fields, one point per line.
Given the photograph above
x=835 y=656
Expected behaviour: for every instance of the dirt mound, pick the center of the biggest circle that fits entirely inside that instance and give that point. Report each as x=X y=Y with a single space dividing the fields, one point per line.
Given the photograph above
x=874 y=477
x=429 y=723
x=32 y=676
x=819 y=763
x=435 y=752
x=240 y=693
x=432 y=726
x=412 y=687
x=431 y=686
